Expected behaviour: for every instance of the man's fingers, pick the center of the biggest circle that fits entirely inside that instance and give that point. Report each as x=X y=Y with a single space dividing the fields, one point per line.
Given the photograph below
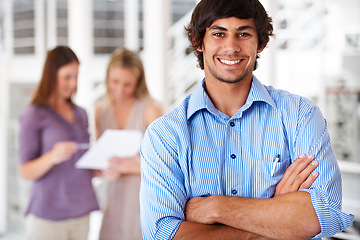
x=309 y=181
x=302 y=163
x=291 y=172
x=309 y=169
x=297 y=175
x=305 y=172
x=293 y=166
x=300 y=170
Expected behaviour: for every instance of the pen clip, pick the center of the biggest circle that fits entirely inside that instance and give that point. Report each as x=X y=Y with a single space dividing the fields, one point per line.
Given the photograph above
x=277 y=159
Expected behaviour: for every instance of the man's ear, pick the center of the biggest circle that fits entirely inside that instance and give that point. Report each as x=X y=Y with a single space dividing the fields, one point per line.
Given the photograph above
x=260 y=49
x=200 y=48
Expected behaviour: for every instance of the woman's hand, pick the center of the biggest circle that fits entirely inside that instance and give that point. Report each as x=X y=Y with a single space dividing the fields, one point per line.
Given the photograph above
x=36 y=168
x=119 y=166
x=62 y=151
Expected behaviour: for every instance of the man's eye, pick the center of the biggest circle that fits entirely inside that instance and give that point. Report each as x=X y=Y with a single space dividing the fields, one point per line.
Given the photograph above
x=244 y=35
x=218 y=34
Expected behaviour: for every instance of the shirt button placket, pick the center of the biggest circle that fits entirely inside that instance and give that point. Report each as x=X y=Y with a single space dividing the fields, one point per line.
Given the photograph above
x=233 y=156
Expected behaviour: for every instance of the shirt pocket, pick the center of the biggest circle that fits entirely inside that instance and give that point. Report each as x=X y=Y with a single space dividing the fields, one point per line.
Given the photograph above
x=271 y=180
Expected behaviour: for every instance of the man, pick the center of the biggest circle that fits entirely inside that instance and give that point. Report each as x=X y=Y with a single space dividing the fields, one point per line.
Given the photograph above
x=224 y=164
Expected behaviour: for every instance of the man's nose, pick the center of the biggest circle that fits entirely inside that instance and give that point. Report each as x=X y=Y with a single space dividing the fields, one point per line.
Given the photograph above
x=232 y=44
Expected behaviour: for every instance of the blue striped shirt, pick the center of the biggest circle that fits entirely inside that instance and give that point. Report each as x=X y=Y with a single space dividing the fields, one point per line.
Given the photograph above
x=196 y=150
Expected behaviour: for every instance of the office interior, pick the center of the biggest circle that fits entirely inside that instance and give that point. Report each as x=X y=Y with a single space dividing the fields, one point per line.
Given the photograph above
x=316 y=54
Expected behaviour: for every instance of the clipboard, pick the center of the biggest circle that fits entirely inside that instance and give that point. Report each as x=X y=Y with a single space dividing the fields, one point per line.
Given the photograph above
x=113 y=142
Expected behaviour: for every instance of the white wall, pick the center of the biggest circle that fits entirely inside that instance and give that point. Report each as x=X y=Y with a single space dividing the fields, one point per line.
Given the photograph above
x=3 y=146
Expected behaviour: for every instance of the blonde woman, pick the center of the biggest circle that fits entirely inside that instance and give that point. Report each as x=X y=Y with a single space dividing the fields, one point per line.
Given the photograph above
x=127 y=105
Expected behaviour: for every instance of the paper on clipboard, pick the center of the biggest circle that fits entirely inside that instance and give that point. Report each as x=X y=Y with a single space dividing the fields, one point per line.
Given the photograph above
x=122 y=143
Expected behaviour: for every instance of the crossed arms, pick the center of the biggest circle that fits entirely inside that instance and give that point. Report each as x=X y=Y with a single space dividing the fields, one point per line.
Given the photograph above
x=288 y=215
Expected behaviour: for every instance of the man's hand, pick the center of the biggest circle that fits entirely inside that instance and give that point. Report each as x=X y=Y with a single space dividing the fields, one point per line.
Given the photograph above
x=297 y=176
x=203 y=210
x=199 y=209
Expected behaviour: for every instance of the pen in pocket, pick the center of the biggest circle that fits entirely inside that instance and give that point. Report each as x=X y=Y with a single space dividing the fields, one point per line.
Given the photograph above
x=277 y=159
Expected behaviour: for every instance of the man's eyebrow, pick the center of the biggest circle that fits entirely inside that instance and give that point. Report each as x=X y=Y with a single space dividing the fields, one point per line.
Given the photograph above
x=245 y=27
x=238 y=29
x=217 y=28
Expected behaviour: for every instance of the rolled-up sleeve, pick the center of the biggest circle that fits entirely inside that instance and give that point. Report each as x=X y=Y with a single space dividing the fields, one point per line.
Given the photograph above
x=162 y=192
x=326 y=191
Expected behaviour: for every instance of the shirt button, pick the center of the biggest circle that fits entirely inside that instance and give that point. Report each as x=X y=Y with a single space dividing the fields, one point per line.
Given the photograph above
x=205 y=195
x=233 y=156
x=232 y=124
x=234 y=191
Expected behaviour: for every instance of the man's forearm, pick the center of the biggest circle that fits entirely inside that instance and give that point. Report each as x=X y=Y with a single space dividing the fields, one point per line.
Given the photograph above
x=289 y=216
x=198 y=231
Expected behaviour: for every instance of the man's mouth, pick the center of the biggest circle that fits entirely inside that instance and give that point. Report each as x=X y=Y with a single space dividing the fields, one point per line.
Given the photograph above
x=230 y=62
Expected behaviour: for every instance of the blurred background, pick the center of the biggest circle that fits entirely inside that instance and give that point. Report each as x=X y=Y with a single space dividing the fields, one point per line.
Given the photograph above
x=316 y=53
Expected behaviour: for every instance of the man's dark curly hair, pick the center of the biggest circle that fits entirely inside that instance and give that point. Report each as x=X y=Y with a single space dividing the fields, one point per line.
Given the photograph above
x=207 y=11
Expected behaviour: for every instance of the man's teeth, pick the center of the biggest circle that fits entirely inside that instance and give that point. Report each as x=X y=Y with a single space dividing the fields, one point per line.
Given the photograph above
x=228 y=62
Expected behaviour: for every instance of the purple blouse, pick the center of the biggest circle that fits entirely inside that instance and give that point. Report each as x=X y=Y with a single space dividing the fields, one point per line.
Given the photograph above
x=65 y=191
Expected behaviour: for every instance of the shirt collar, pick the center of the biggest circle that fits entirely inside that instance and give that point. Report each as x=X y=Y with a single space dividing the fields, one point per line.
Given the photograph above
x=259 y=93
x=200 y=100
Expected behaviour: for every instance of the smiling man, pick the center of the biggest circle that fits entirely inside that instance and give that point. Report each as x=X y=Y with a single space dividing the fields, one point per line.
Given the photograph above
x=236 y=159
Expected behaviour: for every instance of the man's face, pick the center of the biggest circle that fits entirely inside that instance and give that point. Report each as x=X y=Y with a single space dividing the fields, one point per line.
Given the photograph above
x=229 y=47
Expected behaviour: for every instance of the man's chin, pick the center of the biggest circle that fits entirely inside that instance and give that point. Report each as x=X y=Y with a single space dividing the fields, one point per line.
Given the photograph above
x=231 y=80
